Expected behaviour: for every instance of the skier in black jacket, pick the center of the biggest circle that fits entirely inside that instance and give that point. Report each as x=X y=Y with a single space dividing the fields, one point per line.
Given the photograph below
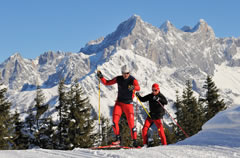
x=156 y=113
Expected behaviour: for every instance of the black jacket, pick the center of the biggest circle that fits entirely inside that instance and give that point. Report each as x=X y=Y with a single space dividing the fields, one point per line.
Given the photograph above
x=156 y=110
x=124 y=95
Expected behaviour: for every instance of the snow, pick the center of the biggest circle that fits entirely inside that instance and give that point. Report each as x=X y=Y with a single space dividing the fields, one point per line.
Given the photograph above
x=222 y=130
x=220 y=138
x=227 y=79
x=237 y=55
x=149 y=30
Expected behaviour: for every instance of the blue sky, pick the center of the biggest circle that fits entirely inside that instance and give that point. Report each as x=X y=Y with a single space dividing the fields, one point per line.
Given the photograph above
x=33 y=27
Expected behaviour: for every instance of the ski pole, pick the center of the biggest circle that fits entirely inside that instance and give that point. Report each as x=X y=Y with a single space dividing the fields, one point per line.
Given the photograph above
x=142 y=106
x=99 y=102
x=99 y=114
x=173 y=119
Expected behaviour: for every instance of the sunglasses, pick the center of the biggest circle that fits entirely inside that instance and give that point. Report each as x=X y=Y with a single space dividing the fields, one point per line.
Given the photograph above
x=125 y=73
x=154 y=90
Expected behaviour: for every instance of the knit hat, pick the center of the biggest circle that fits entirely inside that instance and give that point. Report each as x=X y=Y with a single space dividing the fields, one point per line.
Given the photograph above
x=155 y=86
x=125 y=69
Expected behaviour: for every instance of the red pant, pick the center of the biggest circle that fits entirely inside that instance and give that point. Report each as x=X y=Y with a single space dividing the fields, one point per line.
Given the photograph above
x=159 y=125
x=129 y=112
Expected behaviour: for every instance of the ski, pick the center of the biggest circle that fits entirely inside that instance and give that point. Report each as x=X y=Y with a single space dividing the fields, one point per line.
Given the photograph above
x=106 y=147
x=113 y=147
x=127 y=147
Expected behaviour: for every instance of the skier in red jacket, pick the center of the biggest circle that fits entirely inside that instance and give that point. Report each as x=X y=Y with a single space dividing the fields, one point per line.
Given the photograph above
x=156 y=113
x=127 y=85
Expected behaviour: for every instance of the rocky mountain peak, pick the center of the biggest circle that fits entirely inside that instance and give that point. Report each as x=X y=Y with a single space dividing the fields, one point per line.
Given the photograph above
x=123 y=30
x=15 y=56
x=202 y=27
x=12 y=61
x=126 y=27
x=167 y=26
x=49 y=57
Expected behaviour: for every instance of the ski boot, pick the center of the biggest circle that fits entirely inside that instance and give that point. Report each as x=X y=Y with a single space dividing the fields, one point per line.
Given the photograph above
x=117 y=141
x=134 y=143
x=145 y=146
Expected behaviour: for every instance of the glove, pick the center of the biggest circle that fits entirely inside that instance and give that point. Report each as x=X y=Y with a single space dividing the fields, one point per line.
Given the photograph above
x=131 y=87
x=156 y=98
x=99 y=74
x=138 y=95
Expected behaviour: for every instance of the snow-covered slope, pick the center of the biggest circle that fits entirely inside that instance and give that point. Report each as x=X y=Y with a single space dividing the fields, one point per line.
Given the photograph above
x=220 y=138
x=222 y=130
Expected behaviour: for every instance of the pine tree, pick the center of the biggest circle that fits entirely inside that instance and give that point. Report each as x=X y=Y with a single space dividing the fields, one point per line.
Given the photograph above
x=180 y=112
x=45 y=134
x=30 y=127
x=6 y=125
x=106 y=132
x=40 y=125
x=59 y=144
x=189 y=113
x=170 y=135
x=139 y=138
x=156 y=139
x=212 y=99
x=39 y=105
x=75 y=127
x=81 y=124
x=125 y=132
x=20 y=138
x=193 y=120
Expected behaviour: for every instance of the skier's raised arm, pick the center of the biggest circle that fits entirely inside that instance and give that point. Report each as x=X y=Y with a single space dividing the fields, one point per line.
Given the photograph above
x=104 y=81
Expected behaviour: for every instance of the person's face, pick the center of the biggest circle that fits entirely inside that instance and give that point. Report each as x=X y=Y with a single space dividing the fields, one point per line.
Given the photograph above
x=155 y=91
x=125 y=75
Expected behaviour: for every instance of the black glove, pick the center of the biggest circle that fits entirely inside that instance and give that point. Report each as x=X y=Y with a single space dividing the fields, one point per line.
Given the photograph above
x=99 y=74
x=156 y=98
x=138 y=95
x=131 y=87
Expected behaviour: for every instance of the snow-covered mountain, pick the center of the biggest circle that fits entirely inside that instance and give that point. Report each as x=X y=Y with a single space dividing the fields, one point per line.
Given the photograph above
x=166 y=55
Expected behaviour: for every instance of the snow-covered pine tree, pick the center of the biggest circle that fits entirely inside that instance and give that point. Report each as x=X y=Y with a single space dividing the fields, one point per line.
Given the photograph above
x=29 y=127
x=39 y=104
x=6 y=125
x=212 y=99
x=41 y=125
x=34 y=126
x=20 y=138
x=45 y=133
x=106 y=131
